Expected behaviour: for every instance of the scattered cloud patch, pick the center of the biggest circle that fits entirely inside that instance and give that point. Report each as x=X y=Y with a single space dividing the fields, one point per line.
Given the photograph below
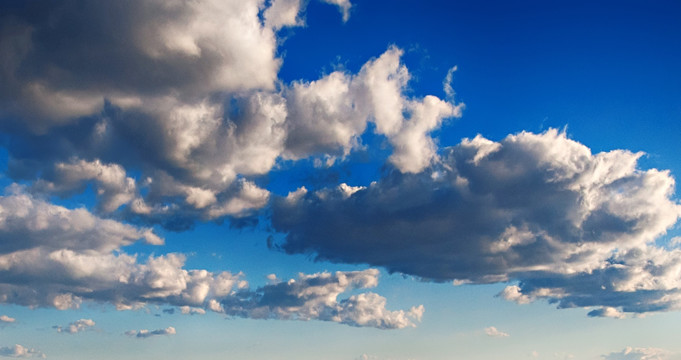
x=315 y=296
x=76 y=326
x=640 y=353
x=606 y=312
x=56 y=257
x=7 y=319
x=494 y=332
x=18 y=351
x=144 y=334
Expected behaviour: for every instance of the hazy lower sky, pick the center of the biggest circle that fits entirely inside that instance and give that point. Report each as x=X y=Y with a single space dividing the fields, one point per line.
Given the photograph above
x=340 y=179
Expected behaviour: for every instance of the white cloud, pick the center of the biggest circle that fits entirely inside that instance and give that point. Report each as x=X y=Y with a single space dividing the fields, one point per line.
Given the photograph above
x=143 y=334
x=640 y=353
x=56 y=257
x=315 y=296
x=494 y=332
x=283 y=13
x=18 y=351
x=76 y=326
x=6 y=319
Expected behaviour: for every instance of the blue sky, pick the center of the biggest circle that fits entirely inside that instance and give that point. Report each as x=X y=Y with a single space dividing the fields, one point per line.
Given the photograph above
x=334 y=179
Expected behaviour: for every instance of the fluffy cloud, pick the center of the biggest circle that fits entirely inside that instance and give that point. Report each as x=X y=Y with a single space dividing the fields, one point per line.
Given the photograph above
x=143 y=334
x=329 y=115
x=316 y=297
x=642 y=354
x=7 y=319
x=76 y=326
x=538 y=208
x=56 y=257
x=18 y=351
x=202 y=78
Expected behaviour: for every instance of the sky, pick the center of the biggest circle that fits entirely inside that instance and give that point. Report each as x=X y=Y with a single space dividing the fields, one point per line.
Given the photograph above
x=340 y=179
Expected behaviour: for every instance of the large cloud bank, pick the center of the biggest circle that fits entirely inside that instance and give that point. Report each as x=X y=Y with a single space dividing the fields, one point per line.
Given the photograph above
x=572 y=227
x=185 y=95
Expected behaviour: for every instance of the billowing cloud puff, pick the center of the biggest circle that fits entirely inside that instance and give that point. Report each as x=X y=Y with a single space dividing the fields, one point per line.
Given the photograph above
x=18 y=351
x=143 y=334
x=52 y=256
x=185 y=96
x=7 y=319
x=76 y=326
x=316 y=297
x=56 y=257
x=642 y=354
x=537 y=208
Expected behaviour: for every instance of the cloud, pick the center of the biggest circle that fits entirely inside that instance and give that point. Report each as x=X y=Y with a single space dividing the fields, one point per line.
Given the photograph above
x=56 y=257
x=6 y=319
x=76 y=326
x=143 y=334
x=570 y=226
x=494 y=332
x=315 y=296
x=18 y=351
x=642 y=354
x=200 y=76
x=606 y=312
x=283 y=13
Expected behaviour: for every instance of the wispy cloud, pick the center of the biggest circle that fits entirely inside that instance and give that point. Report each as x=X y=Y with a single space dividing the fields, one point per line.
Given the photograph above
x=18 y=351
x=76 y=326
x=494 y=332
x=640 y=353
x=143 y=334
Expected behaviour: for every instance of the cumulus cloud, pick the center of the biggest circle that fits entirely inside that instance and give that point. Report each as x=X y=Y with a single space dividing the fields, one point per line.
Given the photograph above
x=572 y=227
x=494 y=332
x=202 y=78
x=315 y=296
x=76 y=326
x=640 y=353
x=143 y=334
x=56 y=257
x=6 y=319
x=18 y=351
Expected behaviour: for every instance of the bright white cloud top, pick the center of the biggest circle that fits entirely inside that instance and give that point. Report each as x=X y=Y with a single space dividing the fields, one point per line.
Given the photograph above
x=124 y=125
